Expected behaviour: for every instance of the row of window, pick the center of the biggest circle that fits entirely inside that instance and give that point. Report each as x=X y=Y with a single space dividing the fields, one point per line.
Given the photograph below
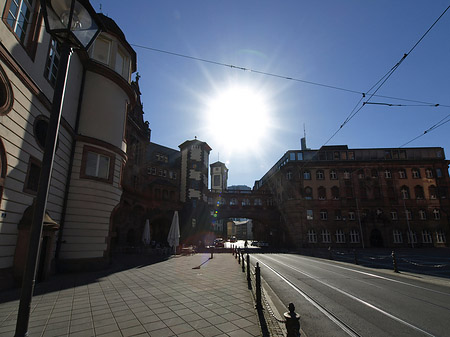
x=161 y=172
x=243 y=202
x=361 y=174
x=96 y=164
x=433 y=192
x=351 y=215
x=354 y=237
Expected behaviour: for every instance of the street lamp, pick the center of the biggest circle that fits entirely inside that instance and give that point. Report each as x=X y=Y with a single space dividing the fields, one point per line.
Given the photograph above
x=73 y=23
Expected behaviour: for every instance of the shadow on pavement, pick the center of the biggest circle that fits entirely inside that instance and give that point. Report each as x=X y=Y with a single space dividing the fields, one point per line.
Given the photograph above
x=61 y=281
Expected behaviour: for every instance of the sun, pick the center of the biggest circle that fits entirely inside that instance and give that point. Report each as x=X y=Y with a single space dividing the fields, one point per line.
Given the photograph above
x=238 y=118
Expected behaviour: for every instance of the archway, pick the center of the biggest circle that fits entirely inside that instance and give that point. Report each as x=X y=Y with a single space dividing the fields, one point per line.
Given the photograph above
x=376 y=238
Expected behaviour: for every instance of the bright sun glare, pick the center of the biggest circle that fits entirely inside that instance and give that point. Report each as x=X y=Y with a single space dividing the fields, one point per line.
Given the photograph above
x=238 y=119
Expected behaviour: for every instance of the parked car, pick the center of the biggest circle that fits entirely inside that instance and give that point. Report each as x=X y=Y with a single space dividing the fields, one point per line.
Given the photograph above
x=233 y=239
x=263 y=244
x=254 y=243
x=219 y=242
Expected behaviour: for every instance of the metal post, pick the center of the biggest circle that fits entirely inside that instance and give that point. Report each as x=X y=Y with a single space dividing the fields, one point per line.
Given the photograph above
x=239 y=256
x=235 y=252
x=243 y=264
x=28 y=281
x=394 y=262
x=292 y=322
x=356 y=256
x=249 y=280
x=258 y=286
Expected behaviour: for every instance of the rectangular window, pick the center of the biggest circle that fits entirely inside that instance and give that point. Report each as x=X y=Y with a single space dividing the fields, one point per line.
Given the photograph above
x=351 y=215
x=340 y=236
x=122 y=64
x=309 y=214
x=101 y=50
x=397 y=236
x=439 y=173
x=32 y=178
x=326 y=237
x=216 y=180
x=97 y=164
x=51 y=67
x=19 y=17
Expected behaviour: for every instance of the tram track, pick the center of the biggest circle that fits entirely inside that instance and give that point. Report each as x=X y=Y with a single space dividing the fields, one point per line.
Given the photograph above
x=344 y=326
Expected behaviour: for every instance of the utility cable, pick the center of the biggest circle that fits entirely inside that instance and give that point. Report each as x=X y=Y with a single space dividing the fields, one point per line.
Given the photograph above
x=289 y=78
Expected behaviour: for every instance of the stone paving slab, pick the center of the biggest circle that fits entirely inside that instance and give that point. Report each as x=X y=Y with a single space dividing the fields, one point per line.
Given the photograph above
x=166 y=298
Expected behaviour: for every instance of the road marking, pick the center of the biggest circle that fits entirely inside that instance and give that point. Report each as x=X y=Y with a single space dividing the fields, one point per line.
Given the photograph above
x=346 y=294
x=381 y=277
x=321 y=308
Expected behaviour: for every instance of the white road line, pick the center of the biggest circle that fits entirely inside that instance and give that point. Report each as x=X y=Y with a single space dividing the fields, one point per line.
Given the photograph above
x=380 y=277
x=346 y=294
x=339 y=323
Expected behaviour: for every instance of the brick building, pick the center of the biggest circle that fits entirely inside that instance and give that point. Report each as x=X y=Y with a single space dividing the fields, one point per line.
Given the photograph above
x=336 y=196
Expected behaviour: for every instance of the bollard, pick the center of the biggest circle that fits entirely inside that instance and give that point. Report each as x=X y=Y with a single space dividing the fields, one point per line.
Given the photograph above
x=258 y=286
x=249 y=280
x=232 y=250
x=243 y=264
x=356 y=256
x=239 y=256
x=292 y=322
x=330 y=253
x=212 y=252
x=235 y=252
x=394 y=262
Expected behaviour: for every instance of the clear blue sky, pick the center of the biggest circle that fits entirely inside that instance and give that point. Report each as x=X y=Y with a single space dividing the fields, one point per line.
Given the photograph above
x=348 y=44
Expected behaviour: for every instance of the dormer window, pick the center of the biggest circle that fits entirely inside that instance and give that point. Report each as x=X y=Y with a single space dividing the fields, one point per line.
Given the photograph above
x=110 y=53
x=101 y=50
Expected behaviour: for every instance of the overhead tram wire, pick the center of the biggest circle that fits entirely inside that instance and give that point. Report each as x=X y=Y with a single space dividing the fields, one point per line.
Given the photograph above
x=383 y=80
x=378 y=86
x=289 y=78
x=442 y=122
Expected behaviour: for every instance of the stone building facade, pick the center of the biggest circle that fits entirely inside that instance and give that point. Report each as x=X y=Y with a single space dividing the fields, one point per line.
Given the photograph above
x=342 y=197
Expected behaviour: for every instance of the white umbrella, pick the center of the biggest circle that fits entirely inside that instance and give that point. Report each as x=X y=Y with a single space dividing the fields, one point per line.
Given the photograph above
x=174 y=233
x=146 y=234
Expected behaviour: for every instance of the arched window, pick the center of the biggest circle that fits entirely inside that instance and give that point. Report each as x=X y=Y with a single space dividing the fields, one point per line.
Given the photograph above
x=432 y=191
x=418 y=191
x=335 y=193
x=289 y=175
x=6 y=93
x=361 y=174
x=322 y=194
x=308 y=193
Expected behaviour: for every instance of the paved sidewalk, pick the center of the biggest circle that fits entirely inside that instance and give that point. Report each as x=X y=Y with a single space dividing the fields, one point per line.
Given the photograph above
x=167 y=298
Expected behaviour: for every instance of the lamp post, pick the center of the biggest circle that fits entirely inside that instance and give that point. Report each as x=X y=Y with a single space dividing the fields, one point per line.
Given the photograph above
x=73 y=24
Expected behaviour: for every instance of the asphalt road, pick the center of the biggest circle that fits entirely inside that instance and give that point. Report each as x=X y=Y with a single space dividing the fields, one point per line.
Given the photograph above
x=338 y=299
